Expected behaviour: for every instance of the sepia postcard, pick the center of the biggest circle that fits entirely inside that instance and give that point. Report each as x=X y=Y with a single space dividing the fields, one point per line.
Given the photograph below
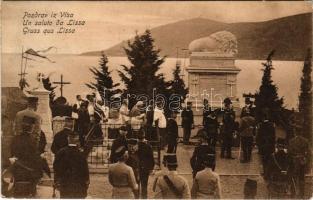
x=156 y=99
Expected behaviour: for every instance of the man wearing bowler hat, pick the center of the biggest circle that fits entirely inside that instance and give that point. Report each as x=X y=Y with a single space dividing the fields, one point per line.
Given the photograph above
x=60 y=139
x=30 y=111
x=133 y=160
x=172 y=133
x=172 y=185
x=71 y=170
x=187 y=122
x=146 y=163
x=228 y=129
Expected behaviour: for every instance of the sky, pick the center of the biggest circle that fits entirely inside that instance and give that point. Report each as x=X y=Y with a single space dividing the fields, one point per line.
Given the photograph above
x=108 y=23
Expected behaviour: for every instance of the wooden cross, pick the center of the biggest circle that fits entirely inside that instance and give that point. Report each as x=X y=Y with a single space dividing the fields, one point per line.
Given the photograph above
x=22 y=74
x=62 y=83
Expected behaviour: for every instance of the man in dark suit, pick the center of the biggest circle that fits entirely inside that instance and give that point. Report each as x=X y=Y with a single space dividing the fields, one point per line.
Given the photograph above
x=266 y=139
x=228 y=129
x=187 y=122
x=83 y=122
x=60 y=138
x=279 y=172
x=146 y=163
x=172 y=133
x=211 y=125
x=118 y=142
x=71 y=170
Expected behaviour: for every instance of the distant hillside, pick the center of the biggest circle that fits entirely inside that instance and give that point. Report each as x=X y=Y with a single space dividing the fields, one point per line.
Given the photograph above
x=289 y=36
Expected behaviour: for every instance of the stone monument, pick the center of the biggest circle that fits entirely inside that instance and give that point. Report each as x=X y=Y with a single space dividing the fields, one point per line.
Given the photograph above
x=212 y=73
x=44 y=110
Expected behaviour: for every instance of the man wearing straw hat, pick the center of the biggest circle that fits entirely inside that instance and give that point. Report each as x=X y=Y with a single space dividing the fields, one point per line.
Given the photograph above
x=172 y=185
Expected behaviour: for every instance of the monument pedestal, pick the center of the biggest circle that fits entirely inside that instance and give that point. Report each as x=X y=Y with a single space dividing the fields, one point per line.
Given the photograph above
x=211 y=76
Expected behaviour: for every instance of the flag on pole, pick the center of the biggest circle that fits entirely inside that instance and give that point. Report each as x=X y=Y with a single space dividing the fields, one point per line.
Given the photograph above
x=31 y=54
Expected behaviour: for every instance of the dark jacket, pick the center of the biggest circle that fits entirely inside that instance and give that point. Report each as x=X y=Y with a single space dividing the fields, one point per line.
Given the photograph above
x=197 y=158
x=266 y=137
x=277 y=163
x=120 y=141
x=28 y=167
x=187 y=118
x=172 y=130
x=229 y=124
x=71 y=172
x=60 y=140
x=145 y=154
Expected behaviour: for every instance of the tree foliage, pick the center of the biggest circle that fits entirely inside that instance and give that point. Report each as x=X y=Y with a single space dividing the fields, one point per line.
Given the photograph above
x=177 y=85
x=305 y=98
x=141 y=77
x=103 y=81
x=267 y=97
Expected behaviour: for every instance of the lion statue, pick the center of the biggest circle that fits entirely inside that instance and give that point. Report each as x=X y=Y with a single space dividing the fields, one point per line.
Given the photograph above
x=219 y=42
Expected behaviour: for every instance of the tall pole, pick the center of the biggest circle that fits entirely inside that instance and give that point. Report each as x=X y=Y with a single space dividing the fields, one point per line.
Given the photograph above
x=61 y=85
x=22 y=62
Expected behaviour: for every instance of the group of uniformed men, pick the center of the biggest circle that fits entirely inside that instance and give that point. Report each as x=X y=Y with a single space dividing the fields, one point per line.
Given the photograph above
x=132 y=158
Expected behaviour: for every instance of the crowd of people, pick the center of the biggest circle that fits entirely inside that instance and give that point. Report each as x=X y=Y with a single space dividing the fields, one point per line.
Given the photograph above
x=136 y=132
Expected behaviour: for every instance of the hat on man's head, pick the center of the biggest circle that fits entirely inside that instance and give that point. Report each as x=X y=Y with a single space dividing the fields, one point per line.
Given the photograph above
x=123 y=128
x=141 y=134
x=28 y=120
x=247 y=100
x=281 y=142
x=132 y=141
x=208 y=159
x=120 y=151
x=171 y=160
x=227 y=101
x=32 y=99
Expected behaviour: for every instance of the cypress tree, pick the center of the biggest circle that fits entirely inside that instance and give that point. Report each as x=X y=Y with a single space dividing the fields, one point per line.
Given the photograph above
x=141 y=77
x=104 y=82
x=305 y=98
x=177 y=85
x=267 y=96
